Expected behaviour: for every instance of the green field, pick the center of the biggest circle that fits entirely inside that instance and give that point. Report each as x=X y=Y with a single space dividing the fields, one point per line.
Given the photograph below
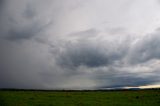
x=80 y=98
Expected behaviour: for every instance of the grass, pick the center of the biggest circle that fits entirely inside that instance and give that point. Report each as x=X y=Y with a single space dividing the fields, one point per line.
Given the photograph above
x=80 y=98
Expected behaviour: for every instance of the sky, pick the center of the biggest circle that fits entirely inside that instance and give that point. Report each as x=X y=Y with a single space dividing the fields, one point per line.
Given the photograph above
x=79 y=44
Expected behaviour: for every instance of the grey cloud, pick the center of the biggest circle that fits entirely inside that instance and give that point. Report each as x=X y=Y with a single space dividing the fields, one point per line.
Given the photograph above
x=78 y=55
x=29 y=12
x=1 y=2
x=123 y=81
x=87 y=33
x=91 y=55
x=26 y=32
x=23 y=22
x=88 y=51
x=66 y=64
x=146 y=49
x=84 y=58
x=128 y=79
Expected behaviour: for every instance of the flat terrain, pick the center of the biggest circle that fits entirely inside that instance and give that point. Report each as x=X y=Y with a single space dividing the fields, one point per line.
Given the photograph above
x=80 y=98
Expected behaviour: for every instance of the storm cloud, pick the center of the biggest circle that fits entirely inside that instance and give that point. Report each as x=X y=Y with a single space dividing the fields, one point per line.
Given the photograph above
x=79 y=44
x=78 y=55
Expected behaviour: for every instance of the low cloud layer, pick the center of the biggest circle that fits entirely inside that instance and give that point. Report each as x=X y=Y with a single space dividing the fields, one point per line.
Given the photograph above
x=58 y=45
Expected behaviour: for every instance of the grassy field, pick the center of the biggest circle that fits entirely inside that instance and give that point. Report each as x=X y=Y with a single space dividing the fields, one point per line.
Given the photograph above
x=80 y=98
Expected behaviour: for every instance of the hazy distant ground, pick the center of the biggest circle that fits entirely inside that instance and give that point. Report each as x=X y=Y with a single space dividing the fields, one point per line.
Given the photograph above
x=80 y=98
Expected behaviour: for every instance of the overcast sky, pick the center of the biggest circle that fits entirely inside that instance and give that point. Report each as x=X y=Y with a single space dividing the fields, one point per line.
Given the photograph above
x=79 y=44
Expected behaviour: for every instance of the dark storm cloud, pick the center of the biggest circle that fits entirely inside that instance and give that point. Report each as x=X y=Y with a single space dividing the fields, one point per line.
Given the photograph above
x=87 y=59
x=26 y=32
x=119 y=79
x=23 y=22
x=20 y=22
x=93 y=56
x=29 y=12
x=1 y=2
x=83 y=58
x=78 y=55
x=120 y=82
x=146 y=49
x=86 y=51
